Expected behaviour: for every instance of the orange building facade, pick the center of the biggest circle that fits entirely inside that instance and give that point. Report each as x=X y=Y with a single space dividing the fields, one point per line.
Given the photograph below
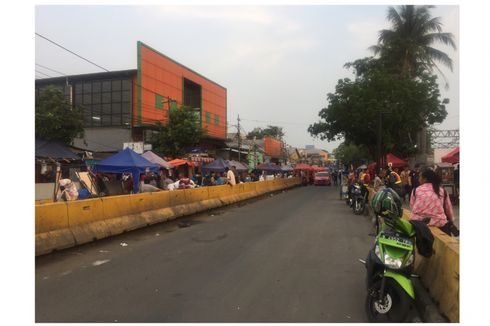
x=162 y=83
x=273 y=147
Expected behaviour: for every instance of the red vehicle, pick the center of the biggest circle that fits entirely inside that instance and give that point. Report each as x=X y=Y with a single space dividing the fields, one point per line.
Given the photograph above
x=322 y=178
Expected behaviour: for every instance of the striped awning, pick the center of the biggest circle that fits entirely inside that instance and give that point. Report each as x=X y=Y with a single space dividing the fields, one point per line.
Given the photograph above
x=201 y=159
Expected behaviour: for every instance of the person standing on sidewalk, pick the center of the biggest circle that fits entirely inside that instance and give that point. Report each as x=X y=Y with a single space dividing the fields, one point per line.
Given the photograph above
x=405 y=177
x=230 y=177
x=413 y=179
x=394 y=181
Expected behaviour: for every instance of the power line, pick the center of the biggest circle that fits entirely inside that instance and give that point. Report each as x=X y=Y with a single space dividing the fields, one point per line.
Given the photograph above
x=50 y=69
x=42 y=73
x=276 y=122
x=47 y=39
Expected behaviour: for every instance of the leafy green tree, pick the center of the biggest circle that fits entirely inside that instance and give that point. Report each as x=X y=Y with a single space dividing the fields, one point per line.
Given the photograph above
x=408 y=45
x=182 y=130
x=257 y=132
x=406 y=104
x=272 y=131
x=56 y=118
x=352 y=154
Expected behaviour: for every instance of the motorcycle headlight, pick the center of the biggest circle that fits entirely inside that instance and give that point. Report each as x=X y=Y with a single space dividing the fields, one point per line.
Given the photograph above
x=397 y=263
x=394 y=263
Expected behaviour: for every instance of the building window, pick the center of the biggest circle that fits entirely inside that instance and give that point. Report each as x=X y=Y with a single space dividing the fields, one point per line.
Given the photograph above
x=173 y=104
x=159 y=101
x=102 y=102
x=216 y=119
x=208 y=118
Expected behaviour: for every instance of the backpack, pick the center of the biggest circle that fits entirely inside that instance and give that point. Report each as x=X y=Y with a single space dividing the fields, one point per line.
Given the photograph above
x=423 y=238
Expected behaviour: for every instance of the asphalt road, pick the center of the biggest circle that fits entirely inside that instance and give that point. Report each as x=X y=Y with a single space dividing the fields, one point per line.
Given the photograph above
x=291 y=257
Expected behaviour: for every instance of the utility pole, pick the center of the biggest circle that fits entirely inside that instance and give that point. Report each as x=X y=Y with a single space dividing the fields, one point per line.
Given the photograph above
x=255 y=153
x=239 y=138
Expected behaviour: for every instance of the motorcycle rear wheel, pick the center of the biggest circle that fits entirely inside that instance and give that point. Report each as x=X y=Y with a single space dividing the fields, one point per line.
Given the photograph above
x=393 y=308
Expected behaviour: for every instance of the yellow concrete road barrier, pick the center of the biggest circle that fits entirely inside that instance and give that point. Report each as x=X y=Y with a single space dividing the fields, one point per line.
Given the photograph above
x=50 y=217
x=161 y=211
x=196 y=194
x=65 y=224
x=177 y=197
x=87 y=221
x=51 y=228
x=121 y=214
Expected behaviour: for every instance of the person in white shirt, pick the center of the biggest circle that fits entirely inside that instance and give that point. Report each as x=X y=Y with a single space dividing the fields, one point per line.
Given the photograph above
x=230 y=177
x=174 y=185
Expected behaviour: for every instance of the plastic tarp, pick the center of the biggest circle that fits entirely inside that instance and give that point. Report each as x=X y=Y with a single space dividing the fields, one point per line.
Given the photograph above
x=269 y=167
x=126 y=161
x=395 y=161
x=154 y=158
x=286 y=168
x=218 y=165
x=240 y=167
x=53 y=149
x=451 y=157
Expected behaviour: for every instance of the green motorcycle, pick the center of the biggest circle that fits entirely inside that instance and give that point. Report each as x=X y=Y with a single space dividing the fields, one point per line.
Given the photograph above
x=390 y=263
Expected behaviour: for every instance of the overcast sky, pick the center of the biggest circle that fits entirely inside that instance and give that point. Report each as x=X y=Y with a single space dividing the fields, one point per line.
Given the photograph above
x=277 y=62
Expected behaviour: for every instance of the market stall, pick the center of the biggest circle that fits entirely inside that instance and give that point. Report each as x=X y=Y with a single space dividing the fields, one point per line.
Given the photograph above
x=240 y=167
x=126 y=161
x=395 y=161
x=154 y=158
x=218 y=165
x=451 y=157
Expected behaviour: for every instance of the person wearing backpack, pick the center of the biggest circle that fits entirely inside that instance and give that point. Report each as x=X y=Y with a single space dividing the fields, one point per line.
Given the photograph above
x=430 y=202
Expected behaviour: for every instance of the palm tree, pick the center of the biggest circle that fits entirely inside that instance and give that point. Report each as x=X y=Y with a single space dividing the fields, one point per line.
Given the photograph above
x=408 y=45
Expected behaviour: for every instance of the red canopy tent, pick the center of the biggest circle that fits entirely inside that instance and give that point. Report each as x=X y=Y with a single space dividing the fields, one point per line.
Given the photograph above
x=396 y=162
x=303 y=166
x=451 y=157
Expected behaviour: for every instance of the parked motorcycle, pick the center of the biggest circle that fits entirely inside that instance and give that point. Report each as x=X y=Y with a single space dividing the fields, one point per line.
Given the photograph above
x=359 y=199
x=390 y=263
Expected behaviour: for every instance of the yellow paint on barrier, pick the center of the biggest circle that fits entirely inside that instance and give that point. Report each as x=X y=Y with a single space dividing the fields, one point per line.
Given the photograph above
x=51 y=217
x=160 y=199
x=249 y=187
x=142 y=203
x=177 y=197
x=117 y=206
x=196 y=194
x=85 y=211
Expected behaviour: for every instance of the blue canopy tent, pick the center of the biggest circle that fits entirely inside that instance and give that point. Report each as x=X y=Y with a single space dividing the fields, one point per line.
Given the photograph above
x=126 y=161
x=218 y=165
x=268 y=167
x=53 y=149
x=240 y=167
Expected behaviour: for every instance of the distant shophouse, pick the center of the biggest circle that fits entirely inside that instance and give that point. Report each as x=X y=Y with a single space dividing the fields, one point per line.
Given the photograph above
x=124 y=106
